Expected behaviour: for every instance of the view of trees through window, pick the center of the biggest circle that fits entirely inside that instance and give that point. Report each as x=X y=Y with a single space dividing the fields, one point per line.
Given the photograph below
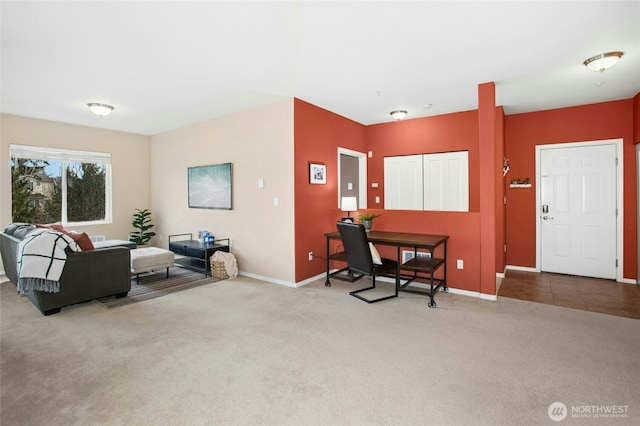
x=40 y=190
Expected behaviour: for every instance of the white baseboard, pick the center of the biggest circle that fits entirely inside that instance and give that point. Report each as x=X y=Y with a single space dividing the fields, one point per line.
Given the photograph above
x=521 y=268
x=312 y=279
x=452 y=290
x=268 y=279
x=483 y=296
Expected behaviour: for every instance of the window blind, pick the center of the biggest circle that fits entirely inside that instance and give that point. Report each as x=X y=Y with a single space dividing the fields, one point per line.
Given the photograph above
x=55 y=154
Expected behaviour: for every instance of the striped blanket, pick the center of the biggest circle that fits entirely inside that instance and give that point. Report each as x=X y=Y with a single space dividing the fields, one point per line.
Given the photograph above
x=41 y=258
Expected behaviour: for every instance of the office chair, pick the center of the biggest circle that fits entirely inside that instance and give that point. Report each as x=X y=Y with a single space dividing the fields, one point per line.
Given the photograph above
x=360 y=260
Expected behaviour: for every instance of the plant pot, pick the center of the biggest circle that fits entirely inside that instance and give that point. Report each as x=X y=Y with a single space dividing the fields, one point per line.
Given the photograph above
x=367 y=225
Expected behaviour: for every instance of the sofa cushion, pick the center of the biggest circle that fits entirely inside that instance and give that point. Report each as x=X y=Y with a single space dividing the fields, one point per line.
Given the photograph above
x=81 y=238
x=114 y=243
x=55 y=226
x=19 y=230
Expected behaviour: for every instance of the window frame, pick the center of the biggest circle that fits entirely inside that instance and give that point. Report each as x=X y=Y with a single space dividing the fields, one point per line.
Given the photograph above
x=66 y=156
x=411 y=184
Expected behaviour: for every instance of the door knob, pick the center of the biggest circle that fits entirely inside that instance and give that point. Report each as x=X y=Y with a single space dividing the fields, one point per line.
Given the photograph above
x=547 y=218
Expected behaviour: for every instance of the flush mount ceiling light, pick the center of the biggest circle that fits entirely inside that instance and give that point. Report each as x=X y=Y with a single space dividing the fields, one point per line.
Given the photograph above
x=603 y=61
x=100 y=109
x=398 y=114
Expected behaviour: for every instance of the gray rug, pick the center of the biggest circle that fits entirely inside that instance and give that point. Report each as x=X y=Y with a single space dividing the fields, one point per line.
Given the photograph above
x=156 y=284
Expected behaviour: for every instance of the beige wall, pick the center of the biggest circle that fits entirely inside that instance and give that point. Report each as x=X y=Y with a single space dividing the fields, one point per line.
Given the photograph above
x=129 y=159
x=151 y=172
x=259 y=144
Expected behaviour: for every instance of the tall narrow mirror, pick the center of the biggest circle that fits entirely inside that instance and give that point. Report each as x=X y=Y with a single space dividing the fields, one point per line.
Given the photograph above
x=352 y=176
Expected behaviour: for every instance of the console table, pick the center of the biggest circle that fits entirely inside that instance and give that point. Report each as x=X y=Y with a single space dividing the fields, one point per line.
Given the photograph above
x=196 y=253
x=417 y=269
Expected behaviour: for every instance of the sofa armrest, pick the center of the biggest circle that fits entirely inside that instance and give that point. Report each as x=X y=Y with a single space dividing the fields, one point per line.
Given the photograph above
x=86 y=276
x=9 y=253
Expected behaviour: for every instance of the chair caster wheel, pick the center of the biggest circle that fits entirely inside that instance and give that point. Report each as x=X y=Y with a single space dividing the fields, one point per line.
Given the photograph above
x=432 y=304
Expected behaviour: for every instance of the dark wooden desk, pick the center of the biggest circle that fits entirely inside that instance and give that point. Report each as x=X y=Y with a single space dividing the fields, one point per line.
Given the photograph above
x=416 y=269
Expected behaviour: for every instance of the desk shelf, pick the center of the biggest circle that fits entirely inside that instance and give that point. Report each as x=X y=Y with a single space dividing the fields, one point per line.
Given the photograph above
x=343 y=274
x=422 y=264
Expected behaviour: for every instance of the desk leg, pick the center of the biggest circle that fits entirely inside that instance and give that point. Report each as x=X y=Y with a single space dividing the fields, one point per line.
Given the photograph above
x=327 y=283
x=398 y=272
x=444 y=270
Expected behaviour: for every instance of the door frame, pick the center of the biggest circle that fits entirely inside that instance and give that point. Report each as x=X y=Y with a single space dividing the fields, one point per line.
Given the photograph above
x=362 y=170
x=619 y=198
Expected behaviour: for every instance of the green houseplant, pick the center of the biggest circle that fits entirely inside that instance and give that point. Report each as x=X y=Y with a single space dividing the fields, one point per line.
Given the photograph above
x=142 y=223
x=367 y=219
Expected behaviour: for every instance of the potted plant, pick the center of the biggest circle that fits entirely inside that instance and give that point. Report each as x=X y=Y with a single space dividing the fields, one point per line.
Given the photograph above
x=367 y=219
x=142 y=223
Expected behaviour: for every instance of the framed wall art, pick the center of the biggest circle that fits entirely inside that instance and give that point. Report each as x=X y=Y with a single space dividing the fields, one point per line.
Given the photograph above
x=209 y=187
x=317 y=173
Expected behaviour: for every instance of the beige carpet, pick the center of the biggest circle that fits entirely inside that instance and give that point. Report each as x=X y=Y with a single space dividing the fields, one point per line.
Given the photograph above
x=253 y=353
x=156 y=284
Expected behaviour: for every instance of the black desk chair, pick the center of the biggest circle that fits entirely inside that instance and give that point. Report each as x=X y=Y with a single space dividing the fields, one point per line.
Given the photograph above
x=359 y=259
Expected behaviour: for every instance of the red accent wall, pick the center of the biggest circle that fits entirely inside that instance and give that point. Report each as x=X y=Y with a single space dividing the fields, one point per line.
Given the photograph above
x=317 y=135
x=636 y=118
x=523 y=132
x=450 y=132
x=442 y=133
x=501 y=208
x=489 y=180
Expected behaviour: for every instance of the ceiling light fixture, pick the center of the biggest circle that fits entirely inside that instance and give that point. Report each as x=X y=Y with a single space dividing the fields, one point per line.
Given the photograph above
x=100 y=109
x=603 y=61
x=398 y=114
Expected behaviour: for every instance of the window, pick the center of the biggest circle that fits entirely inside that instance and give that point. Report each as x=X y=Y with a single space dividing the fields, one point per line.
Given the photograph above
x=427 y=182
x=51 y=185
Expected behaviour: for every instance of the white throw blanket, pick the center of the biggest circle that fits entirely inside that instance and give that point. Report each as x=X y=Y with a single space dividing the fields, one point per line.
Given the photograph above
x=41 y=259
x=230 y=264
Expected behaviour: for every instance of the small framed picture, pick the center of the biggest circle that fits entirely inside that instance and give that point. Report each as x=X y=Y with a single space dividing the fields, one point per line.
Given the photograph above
x=317 y=173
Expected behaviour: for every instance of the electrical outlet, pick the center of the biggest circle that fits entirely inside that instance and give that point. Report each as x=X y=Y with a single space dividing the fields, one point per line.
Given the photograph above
x=460 y=264
x=310 y=256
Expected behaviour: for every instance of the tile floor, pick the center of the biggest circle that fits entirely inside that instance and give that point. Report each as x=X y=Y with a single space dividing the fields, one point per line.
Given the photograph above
x=588 y=294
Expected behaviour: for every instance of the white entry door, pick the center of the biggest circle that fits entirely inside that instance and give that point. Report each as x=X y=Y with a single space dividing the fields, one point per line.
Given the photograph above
x=578 y=210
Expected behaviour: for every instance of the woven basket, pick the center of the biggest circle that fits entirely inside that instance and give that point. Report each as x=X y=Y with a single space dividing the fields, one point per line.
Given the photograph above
x=218 y=270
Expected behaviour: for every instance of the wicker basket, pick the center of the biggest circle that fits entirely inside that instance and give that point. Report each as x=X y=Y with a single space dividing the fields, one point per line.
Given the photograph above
x=218 y=270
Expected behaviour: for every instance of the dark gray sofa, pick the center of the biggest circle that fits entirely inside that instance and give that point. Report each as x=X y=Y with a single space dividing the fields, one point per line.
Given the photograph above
x=87 y=275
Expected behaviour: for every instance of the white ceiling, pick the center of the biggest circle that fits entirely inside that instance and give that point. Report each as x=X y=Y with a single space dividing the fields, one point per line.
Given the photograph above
x=165 y=65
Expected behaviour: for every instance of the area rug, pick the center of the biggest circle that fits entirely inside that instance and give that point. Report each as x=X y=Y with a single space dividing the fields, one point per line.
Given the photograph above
x=157 y=284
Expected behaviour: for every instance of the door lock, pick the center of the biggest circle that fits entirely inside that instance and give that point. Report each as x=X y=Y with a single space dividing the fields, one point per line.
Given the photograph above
x=545 y=208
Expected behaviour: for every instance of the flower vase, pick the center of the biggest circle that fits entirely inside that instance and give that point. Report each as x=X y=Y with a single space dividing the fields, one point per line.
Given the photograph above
x=367 y=225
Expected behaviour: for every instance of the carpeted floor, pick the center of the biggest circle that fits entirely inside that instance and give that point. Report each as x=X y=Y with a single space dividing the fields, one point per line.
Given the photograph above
x=156 y=284
x=246 y=352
